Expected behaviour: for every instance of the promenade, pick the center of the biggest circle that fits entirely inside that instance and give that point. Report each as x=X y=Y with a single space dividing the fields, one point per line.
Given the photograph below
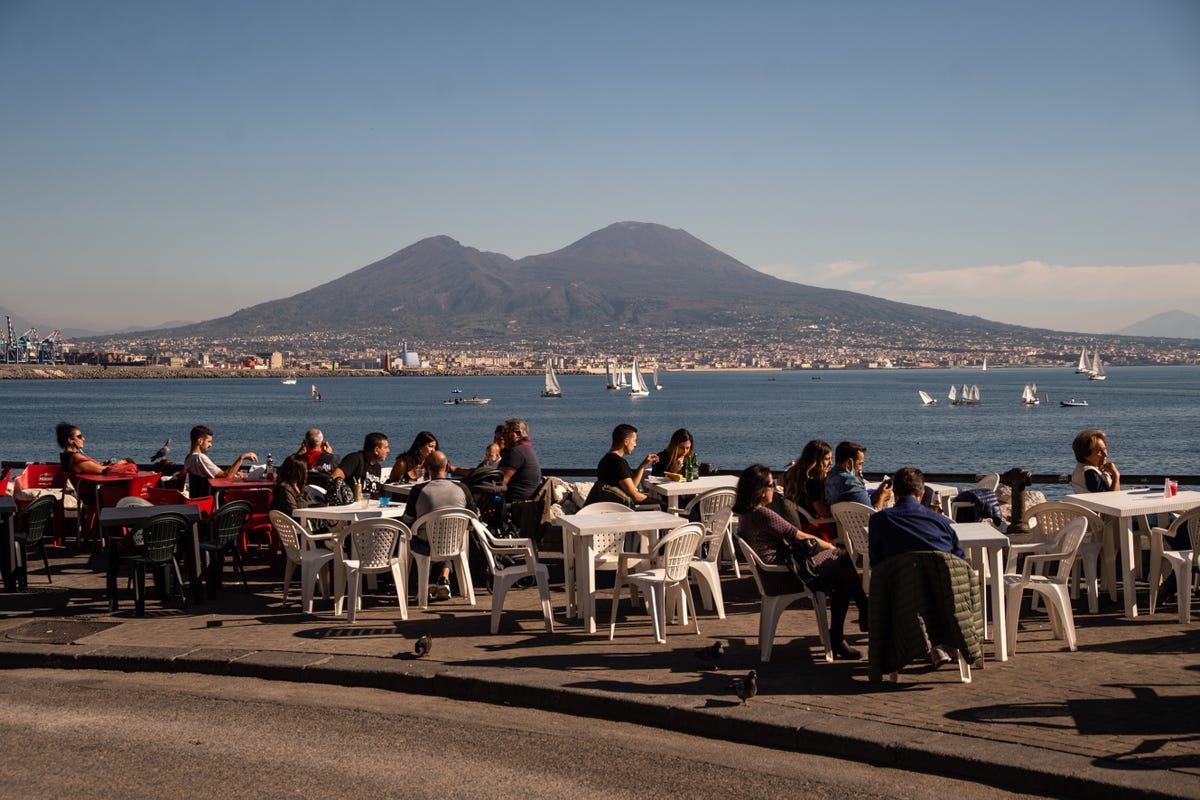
x=1120 y=717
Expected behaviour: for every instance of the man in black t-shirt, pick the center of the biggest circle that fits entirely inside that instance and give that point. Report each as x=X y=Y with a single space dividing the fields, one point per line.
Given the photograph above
x=518 y=462
x=614 y=471
x=365 y=466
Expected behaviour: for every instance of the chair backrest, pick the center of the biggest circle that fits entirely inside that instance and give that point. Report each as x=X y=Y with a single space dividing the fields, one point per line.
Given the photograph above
x=991 y=482
x=198 y=485
x=108 y=496
x=1069 y=539
x=606 y=543
x=604 y=507
x=1191 y=519
x=165 y=497
x=1049 y=518
x=161 y=534
x=258 y=499
x=140 y=486
x=675 y=551
x=40 y=476
x=4 y=482
x=133 y=502
x=228 y=521
x=715 y=529
x=711 y=502
x=290 y=534
x=37 y=517
x=374 y=542
x=852 y=520
x=315 y=493
x=446 y=530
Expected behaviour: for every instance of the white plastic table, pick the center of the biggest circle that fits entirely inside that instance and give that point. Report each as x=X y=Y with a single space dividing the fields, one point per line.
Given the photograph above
x=989 y=542
x=578 y=530
x=672 y=491
x=351 y=512
x=1123 y=506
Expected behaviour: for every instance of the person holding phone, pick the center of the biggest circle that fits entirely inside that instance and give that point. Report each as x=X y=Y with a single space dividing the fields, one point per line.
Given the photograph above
x=844 y=483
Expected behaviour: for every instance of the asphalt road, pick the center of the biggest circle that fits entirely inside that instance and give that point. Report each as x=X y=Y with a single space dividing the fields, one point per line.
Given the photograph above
x=87 y=734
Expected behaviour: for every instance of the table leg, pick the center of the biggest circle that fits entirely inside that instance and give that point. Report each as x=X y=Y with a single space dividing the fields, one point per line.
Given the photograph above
x=568 y=549
x=8 y=566
x=999 y=626
x=197 y=582
x=585 y=576
x=1128 y=587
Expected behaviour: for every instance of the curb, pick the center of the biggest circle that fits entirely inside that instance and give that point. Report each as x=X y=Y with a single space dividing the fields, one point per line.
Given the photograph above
x=998 y=764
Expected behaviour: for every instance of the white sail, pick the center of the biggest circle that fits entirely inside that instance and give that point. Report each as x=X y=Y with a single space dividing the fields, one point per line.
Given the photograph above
x=552 y=388
x=975 y=394
x=1098 y=369
x=953 y=396
x=984 y=368
x=1029 y=396
x=657 y=386
x=926 y=400
x=1084 y=367
x=611 y=374
x=637 y=385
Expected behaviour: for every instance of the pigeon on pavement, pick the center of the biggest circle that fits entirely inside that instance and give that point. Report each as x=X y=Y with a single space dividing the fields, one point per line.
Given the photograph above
x=746 y=687
x=712 y=653
x=423 y=646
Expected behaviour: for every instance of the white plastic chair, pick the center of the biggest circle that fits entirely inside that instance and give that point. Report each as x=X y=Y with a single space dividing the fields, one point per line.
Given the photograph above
x=708 y=505
x=133 y=502
x=991 y=482
x=668 y=566
x=773 y=605
x=447 y=531
x=302 y=549
x=852 y=520
x=1063 y=549
x=376 y=546
x=503 y=578
x=1182 y=562
x=1044 y=521
x=708 y=578
x=315 y=493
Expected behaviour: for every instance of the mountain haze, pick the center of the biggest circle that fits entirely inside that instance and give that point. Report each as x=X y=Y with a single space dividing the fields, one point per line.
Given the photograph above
x=1170 y=324
x=633 y=273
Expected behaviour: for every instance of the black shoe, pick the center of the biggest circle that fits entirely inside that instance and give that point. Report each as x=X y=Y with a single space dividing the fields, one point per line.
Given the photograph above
x=940 y=656
x=844 y=652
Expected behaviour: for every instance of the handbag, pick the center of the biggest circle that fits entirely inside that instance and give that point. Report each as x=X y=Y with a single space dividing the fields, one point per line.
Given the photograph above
x=800 y=559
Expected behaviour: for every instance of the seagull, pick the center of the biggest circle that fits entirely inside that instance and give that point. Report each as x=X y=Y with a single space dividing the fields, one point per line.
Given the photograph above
x=161 y=455
x=423 y=646
x=712 y=653
x=746 y=687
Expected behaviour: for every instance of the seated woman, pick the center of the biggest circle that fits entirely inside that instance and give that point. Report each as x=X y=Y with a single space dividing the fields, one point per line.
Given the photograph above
x=75 y=462
x=289 y=493
x=770 y=535
x=410 y=465
x=615 y=480
x=804 y=487
x=1093 y=471
x=679 y=448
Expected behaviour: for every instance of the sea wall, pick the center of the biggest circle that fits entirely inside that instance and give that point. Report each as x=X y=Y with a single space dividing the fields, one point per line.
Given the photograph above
x=88 y=371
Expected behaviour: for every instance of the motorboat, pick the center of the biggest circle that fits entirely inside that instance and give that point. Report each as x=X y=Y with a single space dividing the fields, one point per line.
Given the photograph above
x=552 y=388
x=473 y=400
x=926 y=399
x=1073 y=403
x=290 y=380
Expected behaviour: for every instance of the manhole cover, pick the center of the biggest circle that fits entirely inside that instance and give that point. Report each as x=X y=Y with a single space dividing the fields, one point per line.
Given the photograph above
x=56 y=631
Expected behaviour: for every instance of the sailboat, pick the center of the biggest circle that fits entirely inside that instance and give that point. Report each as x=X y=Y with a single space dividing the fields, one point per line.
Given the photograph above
x=316 y=396
x=953 y=396
x=657 y=387
x=1097 y=369
x=1084 y=366
x=611 y=374
x=926 y=400
x=1029 y=395
x=975 y=399
x=984 y=367
x=637 y=384
x=552 y=388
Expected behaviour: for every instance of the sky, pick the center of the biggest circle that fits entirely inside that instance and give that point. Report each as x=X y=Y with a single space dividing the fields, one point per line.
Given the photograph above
x=1036 y=163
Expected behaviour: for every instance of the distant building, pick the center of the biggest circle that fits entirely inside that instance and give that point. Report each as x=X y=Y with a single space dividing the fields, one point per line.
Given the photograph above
x=409 y=358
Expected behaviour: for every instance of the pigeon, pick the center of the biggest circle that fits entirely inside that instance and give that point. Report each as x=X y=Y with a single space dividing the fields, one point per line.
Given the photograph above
x=423 y=646
x=161 y=455
x=712 y=653
x=746 y=687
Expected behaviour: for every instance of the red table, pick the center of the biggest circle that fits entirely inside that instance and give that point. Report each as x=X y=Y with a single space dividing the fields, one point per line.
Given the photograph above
x=87 y=482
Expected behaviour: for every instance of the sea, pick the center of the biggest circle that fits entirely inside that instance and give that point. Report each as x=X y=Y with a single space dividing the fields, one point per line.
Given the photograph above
x=1150 y=414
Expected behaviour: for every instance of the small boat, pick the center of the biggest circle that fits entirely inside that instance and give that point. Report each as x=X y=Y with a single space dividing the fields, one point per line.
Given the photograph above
x=816 y=377
x=290 y=380
x=1097 y=370
x=657 y=385
x=1029 y=395
x=952 y=396
x=449 y=401
x=456 y=390
x=926 y=400
x=984 y=367
x=552 y=388
x=473 y=400
x=1073 y=403
x=637 y=384
x=967 y=396
x=610 y=371
x=316 y=396
x=1084 y=367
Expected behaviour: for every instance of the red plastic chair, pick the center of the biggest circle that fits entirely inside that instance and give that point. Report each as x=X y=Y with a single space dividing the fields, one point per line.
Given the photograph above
x=140 y=487
x=4 y=482
x=172 y=497
x=259 y=521
x=43 y=476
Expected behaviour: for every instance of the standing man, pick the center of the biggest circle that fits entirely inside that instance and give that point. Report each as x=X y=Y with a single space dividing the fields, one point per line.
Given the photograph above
x=437 y=492
x=518 y=462
x=844 y=483
x=365 y=466
x=200 y=468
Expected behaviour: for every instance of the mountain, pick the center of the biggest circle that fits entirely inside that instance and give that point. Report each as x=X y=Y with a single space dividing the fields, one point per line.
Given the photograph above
x=629 y=273
x=1170 y=325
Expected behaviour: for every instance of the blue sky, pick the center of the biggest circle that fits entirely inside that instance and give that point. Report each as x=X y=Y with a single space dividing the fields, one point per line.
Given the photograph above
x=1030 y=162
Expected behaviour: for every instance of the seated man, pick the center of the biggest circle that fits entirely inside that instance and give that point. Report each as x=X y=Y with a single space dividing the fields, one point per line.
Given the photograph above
x=616 y=481
x=518 y=462
x=319 y=456
x=200 y=468
x=844 y=482
x=437 y=492
x=364 y=467
x=909 y=526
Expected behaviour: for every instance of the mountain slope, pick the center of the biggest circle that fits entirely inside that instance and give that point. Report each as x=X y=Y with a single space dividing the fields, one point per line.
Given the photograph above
x=1170 y=324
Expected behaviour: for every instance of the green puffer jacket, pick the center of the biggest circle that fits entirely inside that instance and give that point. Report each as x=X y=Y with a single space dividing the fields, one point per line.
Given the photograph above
x=920 y=599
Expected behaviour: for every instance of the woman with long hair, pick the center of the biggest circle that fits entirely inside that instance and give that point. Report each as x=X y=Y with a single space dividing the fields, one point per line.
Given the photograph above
x=679 y=448
x=804 y=486
x=289 y=493
x=771 y=536
x=410 y=465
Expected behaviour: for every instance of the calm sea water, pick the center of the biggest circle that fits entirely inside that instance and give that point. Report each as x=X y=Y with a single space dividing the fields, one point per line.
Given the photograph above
x=1151 y=415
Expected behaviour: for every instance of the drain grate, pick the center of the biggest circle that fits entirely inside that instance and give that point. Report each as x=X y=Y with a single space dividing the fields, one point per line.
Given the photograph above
x=56 y=631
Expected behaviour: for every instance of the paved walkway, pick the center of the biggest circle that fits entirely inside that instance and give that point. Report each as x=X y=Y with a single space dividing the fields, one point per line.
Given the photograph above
x=1120 y=716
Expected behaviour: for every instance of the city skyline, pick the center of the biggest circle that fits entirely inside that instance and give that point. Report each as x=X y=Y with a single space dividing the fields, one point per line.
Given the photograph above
x=1033 y=164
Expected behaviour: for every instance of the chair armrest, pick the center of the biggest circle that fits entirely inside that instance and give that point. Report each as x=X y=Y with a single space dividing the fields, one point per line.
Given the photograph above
x=1040 y=558
x=1027 y=548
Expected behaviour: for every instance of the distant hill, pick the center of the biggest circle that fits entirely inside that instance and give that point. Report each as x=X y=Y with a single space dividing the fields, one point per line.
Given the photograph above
x=1170 y=325
x=630 y=273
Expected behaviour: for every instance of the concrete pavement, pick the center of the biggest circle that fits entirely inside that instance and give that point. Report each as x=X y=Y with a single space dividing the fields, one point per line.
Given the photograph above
x=1119 y=717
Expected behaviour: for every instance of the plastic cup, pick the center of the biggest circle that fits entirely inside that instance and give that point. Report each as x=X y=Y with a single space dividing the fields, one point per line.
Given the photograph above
x=1174 y=488
x=385 y=501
